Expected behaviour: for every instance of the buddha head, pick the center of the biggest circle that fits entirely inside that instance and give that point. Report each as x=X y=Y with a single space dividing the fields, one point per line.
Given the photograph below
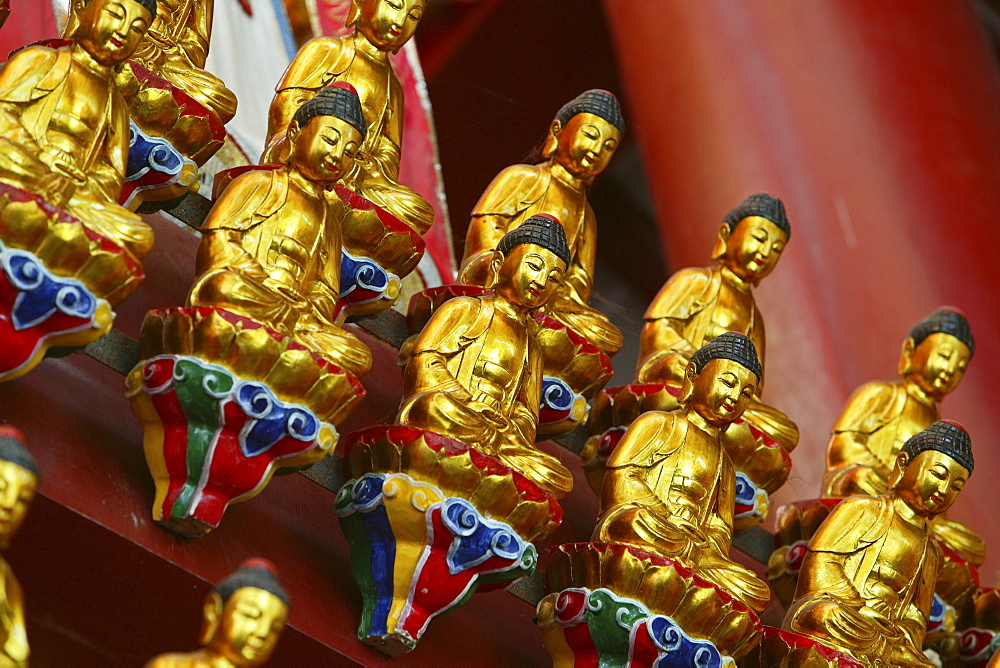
x=932 y=468
x=530 y=261
x=244 y=615
x=387 y=24
x=752 y=237
x=585 y=133
x=721 y=378
x=937 y=352
x=18 y=481
x=326 y=134
x=111 y=30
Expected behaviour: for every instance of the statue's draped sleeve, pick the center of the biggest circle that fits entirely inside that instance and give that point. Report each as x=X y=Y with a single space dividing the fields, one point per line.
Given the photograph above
x=28 y=76
x=511 y=192
x=869 y=409
x=451 y=329
x=649 y=443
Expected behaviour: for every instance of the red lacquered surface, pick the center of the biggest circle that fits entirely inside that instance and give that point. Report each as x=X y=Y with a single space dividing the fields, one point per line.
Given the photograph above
x=879 y=126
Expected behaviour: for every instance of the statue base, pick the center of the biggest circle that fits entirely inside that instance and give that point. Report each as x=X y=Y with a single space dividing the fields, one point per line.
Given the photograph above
x=225 y=403
x=59 y=281
x=761 y=464
x=784 y=648
x=431 y=520
x=172 y=136
x=617 y=605
x=573 y=369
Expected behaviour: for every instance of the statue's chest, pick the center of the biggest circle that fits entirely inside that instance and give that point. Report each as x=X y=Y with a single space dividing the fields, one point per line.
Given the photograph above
x=501 y=357
x=900 y=556
x=82 y=106
x=733 y=311
x=371 y=80
x=566 y=204
x=914 y=418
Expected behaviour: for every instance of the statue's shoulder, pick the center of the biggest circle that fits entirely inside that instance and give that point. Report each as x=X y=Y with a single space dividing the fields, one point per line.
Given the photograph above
x=249 y=200
x=871 y=406
x=513 y=189
x=319 y=61
x=653 y=436
x=34 y=71
x=854 y=524
x=687 y=292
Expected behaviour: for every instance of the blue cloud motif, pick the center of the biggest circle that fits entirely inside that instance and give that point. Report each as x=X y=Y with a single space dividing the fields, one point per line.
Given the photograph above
x=367 y=491
x=271 y=419
x=746 y=491
x=938 y=610
x=476 y=538
x=361 y=273
x=676 y=648
x=556 y=394
x=147 y=154
x=42 y=293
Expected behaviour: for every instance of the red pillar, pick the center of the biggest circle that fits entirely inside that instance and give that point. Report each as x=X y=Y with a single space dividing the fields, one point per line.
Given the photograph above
x=878 y=124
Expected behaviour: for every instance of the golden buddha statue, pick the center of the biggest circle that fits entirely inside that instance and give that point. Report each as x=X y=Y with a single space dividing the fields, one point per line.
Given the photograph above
x=670 y=485
x=243 y=617
x=271 y=248
x=175 y=48
x=698 y=304
x=474 y=373
x=867 y=581
x=18 y=482
x=579 y=145
x=879 y=417
x=381 y=27
x=64 y=128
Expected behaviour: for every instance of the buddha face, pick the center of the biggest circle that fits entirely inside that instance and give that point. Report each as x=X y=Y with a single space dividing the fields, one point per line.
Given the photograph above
x=325 y=149
x=937 y=365
x=251 y=621
x=721 y=392
x=17 y=489
x=930 y=483
x=111 y=30
x=529 y=275
x=753 y=248
x=585 y=146
x=389 y=24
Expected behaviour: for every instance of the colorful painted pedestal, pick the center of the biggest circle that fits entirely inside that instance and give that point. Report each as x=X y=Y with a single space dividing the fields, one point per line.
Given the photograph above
x=59 y=281
x=429 y=521
x=225 y=403
x=616 y=605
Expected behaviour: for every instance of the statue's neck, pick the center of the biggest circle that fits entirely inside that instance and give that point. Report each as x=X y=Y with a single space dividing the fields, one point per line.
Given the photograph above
x=83 y=57
x=504 y=305
x=734 y=279
x=917 y=393
x=311 y=188
x=561 y=174
x=363 y=46
x=697 y=420
x=908 y=514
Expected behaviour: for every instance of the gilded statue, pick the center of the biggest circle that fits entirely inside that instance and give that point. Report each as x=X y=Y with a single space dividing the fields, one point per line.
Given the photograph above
x=18 y=482
x=698 y=304
x=242 y=619
x=670 y=485
x=271 y=248
x=175 y=48
x=474 y=373
x=867 y=581
x=579 y=145
x=879 y=417
x=64 y=127
x=381 y=28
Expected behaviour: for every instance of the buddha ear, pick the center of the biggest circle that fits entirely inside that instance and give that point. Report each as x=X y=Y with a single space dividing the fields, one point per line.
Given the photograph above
x=719 y=248
x=552 y=139
x=493 y=272
x=211 y=616
x=352 y=13
x=906 y=357
x=687 y=387
x=902 y=461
